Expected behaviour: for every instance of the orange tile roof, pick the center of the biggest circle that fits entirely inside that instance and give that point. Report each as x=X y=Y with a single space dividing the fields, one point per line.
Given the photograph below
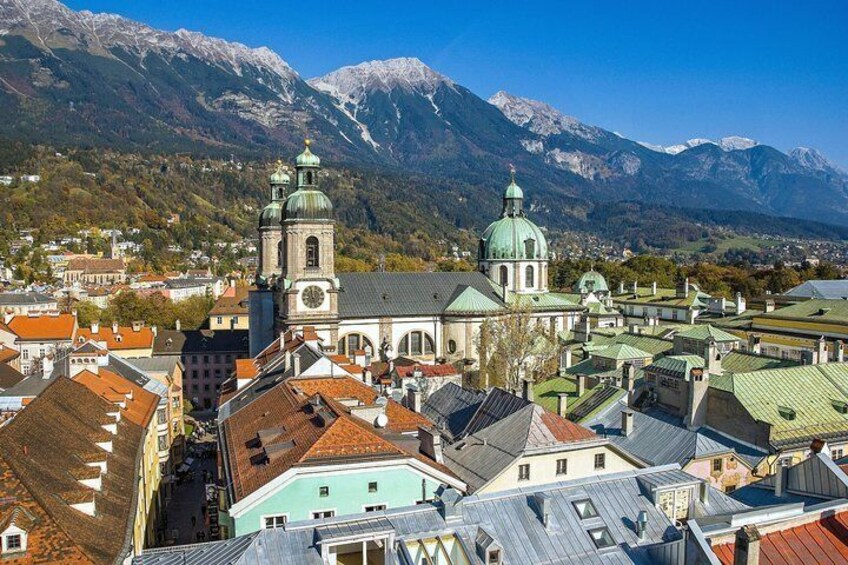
x=7 y=354
x=564 y=429
x=821 y=541
x=232 y=302
x=44 y=327
x=114 y=388
x=129 y=339
x=246 y=369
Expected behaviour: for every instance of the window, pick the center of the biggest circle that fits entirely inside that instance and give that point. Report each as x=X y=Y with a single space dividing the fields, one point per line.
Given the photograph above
x=504 y=275
x=493 y=557
x=837 y=453
x=323 y=491
x=323 y=514
x=585 y=509
x=600 y=461
x=372 y=487
x=354 y=342
x=220 y=320
x=13 y=542
x=729 y=489
x=717 y=465
x=601 y=537
x=205 y=359
x=312 y=255
x=194 y=358
x=280 y=254
x=161 y=416
x=451 y=346
x=529 y=248
x=529 y=281
x=562 y=467
x=163 y=442
x=272 y=522
x=524 y=472
x=416 y=343
x=375 y=508
x=194 y=373
x=206 y=386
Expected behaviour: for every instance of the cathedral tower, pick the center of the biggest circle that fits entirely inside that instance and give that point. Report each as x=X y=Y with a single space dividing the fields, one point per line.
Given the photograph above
x=309 y=290
x=271 y=226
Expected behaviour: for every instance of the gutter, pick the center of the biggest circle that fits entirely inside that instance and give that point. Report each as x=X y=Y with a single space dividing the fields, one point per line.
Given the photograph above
x=126 y=548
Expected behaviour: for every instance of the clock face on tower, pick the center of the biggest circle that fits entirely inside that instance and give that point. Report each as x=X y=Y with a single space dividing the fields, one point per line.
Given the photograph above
x=313 y=296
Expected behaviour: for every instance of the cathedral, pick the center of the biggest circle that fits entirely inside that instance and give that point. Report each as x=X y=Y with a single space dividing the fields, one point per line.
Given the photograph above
x=428 y=317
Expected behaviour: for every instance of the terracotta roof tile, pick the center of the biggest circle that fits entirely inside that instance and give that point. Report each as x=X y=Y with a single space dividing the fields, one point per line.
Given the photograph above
x=246 y=369
x=231 y=303
x=44 y=327
x=125 y=338
x=96 y=265
x=443 y=370
x=114 y=388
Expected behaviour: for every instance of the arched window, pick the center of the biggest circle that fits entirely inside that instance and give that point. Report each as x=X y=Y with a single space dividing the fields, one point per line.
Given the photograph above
x=353 y=342
x=416 y=343
x=309 y=177
x=504 y=275
x=280 y=254
x=312 y=256
x=529 y=278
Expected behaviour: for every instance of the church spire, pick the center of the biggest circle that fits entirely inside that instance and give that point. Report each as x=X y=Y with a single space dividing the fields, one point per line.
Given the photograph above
x=513 y=199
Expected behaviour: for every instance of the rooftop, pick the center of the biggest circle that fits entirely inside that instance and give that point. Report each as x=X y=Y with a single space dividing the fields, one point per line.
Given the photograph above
x=46 y=327
x=126 y=337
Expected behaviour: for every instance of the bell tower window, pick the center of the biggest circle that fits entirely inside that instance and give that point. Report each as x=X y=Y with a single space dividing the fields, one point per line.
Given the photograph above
x=312 y=253
x=309 y=177
x=280 y=254
x=504 y=275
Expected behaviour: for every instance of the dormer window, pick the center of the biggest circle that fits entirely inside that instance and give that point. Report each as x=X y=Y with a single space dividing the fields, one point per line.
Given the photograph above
x=585 y=509
x=601 y=537
x=493 y=557
x=13 y=543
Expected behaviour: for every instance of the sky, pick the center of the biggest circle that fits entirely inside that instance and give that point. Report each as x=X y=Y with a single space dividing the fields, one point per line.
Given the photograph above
x=660 y=72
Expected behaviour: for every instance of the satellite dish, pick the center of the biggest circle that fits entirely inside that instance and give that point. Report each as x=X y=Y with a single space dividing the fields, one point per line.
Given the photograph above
x=382 y=421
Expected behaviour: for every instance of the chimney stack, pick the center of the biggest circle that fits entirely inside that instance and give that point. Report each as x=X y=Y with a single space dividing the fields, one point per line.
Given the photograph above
x=95 y=327
x=414 y=399
x=296 y=363
x=581 y=385
x=562 y=404
x=821 y=350
x=654 y=288
x=626 y=422
x=367 y=377
x=754 y=344
x=747 y=547
x=635 y=287
x=839 y=351
x=628 y=377
x=527 y=389
x=567 y=358
x=780 y=480
x=712 y=357
x=431 y=443
x=177 y=325
x=543 y=503
x=769 y=306
x=741 y=306
x=621 y=287
x=114 y=327
x=696 y=409
x=641 y=524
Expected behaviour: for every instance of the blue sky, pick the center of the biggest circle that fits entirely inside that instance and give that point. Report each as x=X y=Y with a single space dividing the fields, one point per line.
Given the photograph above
x=661 y=72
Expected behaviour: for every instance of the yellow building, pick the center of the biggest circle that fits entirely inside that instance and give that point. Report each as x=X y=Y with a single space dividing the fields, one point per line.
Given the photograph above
x=231 y=310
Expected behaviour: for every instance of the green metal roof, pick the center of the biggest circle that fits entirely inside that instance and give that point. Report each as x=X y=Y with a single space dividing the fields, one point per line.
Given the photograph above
x=594 y=279
x=704 y=332
x=653 y=345
x=740 y=362
x=621 y=352
x=664 y=297
x=471 y=300
x=307 y=159
x=542 y=301
x=308 y=204
x=513 y=191
x=799 y=402
x=271 y=216
x=280 y=176
x=513 y=238
x=679 y=364
x=817 y=310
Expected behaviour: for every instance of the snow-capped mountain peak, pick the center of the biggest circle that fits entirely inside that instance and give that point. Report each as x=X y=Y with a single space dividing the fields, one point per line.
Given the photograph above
x=810 y=158
x=540 y=118
x=730 y=143
x=351 y=83
x=736 y=143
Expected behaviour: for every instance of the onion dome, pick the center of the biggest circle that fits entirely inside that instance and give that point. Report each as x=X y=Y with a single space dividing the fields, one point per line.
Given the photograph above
x=513 y=237
x=272 y=216
x=308 y=204
x=280 y=176
x=307 y=159
x=592 y=281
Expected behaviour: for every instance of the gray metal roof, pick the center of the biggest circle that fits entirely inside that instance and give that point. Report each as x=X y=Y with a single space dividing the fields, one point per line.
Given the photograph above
x=24 y=298
x=817 y=476
x=659 y=438
x=452 y=407
x=163 y=364
x=372 y=295
x=821 y=289
x=498 y=405
x=510 y=519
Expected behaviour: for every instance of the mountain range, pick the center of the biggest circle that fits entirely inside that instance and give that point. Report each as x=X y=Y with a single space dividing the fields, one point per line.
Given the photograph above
x=99 y=80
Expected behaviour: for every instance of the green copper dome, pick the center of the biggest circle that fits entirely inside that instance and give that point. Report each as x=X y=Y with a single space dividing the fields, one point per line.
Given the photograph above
x=307 y=159
x=513 y=238
x=272 y=215
x=513 y=191
x=592 y=281
x=308 y=204
x=280 y=176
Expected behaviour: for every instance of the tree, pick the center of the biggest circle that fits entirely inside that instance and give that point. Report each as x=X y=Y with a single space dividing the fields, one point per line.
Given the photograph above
x=88 y=312
x=514 y=347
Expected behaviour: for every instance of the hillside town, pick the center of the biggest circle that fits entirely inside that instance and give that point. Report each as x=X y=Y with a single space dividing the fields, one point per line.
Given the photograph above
x=469 y=417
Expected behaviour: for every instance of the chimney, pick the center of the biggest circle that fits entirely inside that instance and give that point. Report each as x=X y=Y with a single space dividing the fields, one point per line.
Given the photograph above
x=769 y=306
x=683 y=288
x=628 y=377
x=527 y=389
x=705 y=492
x=654 y=288
x=562 y=404
x=414 y=399
x=155 y=330
x=712 y=357
x=741 y=306
x=626 y=422
x=95 y=327
x=581 y=385
x=542 y=501
x=635 y=287
x=177 y=325
x=696 y=409
x=296 y=364
x=754 y=344
x=821 y=351
x=431 y=443
x=114 y=327
x=641 y=524
x=367 y=377
x=567 y=360
x=451 y=505
x=780 y=480
x=621 y=287
x=819 y=446
x=633 y=329
x=839 y=351
x=747 y=547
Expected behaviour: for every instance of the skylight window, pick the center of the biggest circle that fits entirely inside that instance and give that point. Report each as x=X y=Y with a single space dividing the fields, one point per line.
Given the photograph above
x=601 y=537
x=585 y=509
x=787 y=413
